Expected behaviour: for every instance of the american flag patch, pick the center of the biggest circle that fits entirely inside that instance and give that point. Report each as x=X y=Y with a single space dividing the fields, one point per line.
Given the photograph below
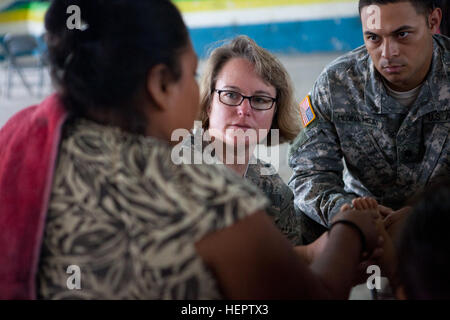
x=307 y=112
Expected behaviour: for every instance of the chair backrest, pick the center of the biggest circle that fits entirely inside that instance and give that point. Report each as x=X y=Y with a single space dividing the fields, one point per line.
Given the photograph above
x=21 y=45
x=2 y=51
x=43 y=49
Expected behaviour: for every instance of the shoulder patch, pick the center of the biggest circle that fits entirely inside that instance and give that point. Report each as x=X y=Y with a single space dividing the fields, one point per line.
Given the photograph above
x=306 y=111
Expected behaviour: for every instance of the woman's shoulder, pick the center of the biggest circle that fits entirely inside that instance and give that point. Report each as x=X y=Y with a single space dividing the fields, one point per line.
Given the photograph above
x=151 y=165
x=118 y=183
x=215 y=181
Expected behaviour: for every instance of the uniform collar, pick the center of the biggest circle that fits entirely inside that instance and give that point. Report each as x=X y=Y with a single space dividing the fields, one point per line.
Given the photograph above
x=378 y=100
x=376 y=96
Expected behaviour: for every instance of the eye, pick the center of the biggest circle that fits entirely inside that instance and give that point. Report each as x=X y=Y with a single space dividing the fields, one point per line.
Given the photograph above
x=403 y=34
x=261 y=99
x=231 y=94
x=373 y=37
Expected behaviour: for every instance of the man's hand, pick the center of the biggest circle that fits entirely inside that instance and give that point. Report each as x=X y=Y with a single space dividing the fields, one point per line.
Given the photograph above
x=394 y=221
x=365 y=203
x=385 y=211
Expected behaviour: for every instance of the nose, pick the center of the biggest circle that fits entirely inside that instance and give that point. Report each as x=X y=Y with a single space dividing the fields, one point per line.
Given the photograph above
x=244 y=108
x=389 y=48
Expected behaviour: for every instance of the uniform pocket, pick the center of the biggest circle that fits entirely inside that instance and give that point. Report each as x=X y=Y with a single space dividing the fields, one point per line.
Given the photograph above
x=362 y=151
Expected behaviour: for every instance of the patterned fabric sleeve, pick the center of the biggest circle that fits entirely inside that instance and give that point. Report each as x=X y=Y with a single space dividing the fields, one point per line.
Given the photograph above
x=216 y=195
x=128 y=218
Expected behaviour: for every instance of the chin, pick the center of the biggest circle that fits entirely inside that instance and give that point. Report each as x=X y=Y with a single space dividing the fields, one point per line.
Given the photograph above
x=396 y=80
x=235 y=141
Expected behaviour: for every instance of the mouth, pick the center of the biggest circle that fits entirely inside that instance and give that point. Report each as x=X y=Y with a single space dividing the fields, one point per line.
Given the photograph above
x=237 y=126
x=393 y=68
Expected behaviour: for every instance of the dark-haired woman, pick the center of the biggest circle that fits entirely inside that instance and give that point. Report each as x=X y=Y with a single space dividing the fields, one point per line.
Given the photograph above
x=92 y=205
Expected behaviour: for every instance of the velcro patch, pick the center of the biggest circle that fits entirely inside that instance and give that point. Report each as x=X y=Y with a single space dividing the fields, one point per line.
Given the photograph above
x=438 y=117
x=306 y=111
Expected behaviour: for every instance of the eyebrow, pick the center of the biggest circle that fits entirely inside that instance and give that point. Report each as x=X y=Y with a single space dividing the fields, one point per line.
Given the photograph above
x=369 y=33
x=402 y=28
x=239 y=89
x=263 y=92
x=232 y=87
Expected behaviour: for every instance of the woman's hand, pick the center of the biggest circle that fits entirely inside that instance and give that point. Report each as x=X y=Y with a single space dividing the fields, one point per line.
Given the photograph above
x=365 y=218
x=310 y=252
x=387 y=260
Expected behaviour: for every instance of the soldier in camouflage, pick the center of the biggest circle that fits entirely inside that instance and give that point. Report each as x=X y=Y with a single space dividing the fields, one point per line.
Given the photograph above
x=265 y=177
x=377 y=121
x=281 y=207
x=242 y=70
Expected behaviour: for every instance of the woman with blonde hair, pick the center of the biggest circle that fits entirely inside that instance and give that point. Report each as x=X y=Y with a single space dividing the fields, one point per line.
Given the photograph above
x=244 y=88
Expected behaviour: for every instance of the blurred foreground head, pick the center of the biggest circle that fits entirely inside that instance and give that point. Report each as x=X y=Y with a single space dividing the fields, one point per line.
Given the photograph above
x=102 y=71
x=424 y=247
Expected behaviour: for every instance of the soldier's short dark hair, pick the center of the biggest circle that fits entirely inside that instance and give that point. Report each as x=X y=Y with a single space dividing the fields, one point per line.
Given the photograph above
x=421 y=6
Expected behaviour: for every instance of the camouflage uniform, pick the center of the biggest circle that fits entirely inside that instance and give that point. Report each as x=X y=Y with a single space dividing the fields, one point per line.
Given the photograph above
x=365 y=143
x=281 y=207
x=281 y=198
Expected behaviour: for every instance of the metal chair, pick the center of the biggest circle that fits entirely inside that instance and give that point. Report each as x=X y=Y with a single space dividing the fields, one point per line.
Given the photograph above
x=23 y=52
x=2 y=68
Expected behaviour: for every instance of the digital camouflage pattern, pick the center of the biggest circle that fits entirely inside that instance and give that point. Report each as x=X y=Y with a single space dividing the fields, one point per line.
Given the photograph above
x=281 y=208
x=365 y=143
x=281 y=197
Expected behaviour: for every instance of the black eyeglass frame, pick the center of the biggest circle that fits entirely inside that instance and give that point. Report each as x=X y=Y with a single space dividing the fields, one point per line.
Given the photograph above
x=245 y=97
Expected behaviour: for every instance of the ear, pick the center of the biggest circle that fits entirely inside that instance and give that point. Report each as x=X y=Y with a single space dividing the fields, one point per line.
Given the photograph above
x=434 y=20
x=159 y=86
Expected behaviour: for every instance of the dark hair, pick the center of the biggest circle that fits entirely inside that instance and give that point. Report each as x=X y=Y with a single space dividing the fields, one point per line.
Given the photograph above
x=421 y=6
x=424 y=246
x=103 y=69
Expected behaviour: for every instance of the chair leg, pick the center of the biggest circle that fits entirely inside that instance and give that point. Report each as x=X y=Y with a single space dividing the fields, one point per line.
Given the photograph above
x=41 y=80
x=22 y=77
x=9 y=81
x=3 y=80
